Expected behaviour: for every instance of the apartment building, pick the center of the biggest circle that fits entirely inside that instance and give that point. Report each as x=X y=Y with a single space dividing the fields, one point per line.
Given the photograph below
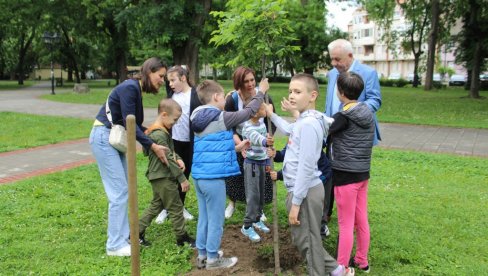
x=368 y=46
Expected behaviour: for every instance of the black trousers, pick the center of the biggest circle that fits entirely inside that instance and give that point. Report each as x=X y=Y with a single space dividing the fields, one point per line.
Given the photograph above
x=185 y=151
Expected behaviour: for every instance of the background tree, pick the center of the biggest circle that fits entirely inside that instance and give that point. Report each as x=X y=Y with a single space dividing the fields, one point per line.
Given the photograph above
x=175 y=25
x=23 y=19
x=473 y=41
x=256 y=30
x=311 y=34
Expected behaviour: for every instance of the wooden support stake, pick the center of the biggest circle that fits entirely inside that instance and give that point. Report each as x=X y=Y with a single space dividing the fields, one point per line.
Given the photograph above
x=276 y=237
x=133 y=207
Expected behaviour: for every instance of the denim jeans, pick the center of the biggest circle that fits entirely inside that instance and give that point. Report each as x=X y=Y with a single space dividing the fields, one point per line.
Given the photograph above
x=113 y=170
x=211 y=209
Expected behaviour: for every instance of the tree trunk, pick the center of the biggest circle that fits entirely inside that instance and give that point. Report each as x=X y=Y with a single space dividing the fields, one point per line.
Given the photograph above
x=432 y=43
x=119 y=39
x=70 y=74
x=474 y=91
x=416 y=61
x=22 y=53
x=214 y=73
x=186 y=52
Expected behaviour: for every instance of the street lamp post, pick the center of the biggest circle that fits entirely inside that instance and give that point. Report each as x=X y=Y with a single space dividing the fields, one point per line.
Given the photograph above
x=50 y=39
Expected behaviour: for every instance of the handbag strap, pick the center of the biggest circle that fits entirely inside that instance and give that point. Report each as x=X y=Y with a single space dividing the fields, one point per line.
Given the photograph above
x=107 y=110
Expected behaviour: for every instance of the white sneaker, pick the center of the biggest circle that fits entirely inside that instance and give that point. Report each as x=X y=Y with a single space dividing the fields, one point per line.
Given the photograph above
x=122 y=252
x=162 y=217
x=229 y=211
x=187 y=214
x=263 y=217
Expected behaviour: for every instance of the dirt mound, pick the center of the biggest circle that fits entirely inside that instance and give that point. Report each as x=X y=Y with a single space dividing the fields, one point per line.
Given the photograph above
x=255 y=258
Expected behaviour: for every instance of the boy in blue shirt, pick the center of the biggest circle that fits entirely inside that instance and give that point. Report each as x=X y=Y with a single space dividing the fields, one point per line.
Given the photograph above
x=214 y=159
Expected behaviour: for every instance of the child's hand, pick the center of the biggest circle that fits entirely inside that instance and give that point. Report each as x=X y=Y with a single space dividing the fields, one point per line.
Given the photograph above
x=244 y=153
x=264 y=85
x=269 y=140
x=181 y=164
x=293 y=215
x=243 y=145
x=274 y=175
x=269 y=110
x=185 y=186
x=286 y=106
x=271 y=152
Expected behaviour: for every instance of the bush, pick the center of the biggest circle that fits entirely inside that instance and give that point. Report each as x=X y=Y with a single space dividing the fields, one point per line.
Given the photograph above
x=438 y=85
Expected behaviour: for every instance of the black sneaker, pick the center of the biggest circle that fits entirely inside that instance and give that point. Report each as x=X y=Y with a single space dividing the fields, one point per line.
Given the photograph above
x=142 y=241
x=353 y=264
x=186 y=239
x=324 y=230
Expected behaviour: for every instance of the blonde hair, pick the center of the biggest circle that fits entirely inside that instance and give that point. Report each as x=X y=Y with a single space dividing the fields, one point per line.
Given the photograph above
x=309 y=81
x=169 y=106
x=207 y=89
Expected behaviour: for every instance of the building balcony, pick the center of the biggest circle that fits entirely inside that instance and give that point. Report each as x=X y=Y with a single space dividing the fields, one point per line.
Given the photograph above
x=365 y=41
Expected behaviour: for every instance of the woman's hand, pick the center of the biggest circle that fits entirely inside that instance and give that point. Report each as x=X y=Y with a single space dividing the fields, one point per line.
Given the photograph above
x=160 y=152
x=264 y=85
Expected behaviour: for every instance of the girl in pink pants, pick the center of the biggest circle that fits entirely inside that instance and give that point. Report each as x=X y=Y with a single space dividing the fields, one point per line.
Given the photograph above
x=352 y=213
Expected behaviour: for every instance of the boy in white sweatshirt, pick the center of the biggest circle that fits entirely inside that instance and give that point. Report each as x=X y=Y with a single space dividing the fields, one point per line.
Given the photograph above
x=301 y=175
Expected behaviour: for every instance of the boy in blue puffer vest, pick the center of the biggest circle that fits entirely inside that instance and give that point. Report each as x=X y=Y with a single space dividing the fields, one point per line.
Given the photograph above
x=214 y=159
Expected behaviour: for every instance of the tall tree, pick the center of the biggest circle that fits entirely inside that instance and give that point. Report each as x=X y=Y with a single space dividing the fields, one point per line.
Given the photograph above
x=22 y=28
x=311 y=34
x=473 y=46
x=434 y=30
x=176 y=25
x=257 y=30
x=417 y=19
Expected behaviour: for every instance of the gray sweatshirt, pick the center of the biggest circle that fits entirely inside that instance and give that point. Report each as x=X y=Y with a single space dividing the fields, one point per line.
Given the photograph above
x=306 y=135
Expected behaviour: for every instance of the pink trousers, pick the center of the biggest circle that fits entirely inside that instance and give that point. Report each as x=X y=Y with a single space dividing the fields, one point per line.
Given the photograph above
x=352 y=214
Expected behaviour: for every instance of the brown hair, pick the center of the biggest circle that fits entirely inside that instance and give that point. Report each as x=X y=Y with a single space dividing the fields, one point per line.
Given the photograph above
x=350 y=84
x=207 y=89
x=149 y=66
x=169 y=106
x=309 y=80
x=182 y=70
x=239 y=75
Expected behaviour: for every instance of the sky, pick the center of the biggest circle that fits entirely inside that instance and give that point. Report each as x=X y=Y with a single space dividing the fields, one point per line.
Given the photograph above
x=339 y=14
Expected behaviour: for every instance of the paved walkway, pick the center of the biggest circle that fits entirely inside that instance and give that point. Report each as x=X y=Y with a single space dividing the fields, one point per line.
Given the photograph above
x=26 y=163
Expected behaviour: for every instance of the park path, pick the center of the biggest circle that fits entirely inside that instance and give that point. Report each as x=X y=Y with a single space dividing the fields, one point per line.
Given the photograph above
x=21 y=164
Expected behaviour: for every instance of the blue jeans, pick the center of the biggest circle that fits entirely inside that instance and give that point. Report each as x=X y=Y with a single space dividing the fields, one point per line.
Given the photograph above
x=211 y=209
x=113 y=170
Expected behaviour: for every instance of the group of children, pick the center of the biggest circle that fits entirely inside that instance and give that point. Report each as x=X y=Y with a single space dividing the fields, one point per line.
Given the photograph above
x=304 y=171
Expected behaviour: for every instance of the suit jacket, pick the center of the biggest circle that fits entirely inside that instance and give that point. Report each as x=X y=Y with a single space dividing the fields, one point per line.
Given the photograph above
x=371 y=94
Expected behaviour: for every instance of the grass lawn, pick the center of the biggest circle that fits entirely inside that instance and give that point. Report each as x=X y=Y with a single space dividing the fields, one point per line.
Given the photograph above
x=426 y=217
x=14 y=85
x=21 y=131
x=446 y=107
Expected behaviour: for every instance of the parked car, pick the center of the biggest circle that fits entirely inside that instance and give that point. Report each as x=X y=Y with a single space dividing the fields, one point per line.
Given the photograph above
x=394 y=76
x=457 y=80
x=484 y=78
x=437 y=77
x=410 y=78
